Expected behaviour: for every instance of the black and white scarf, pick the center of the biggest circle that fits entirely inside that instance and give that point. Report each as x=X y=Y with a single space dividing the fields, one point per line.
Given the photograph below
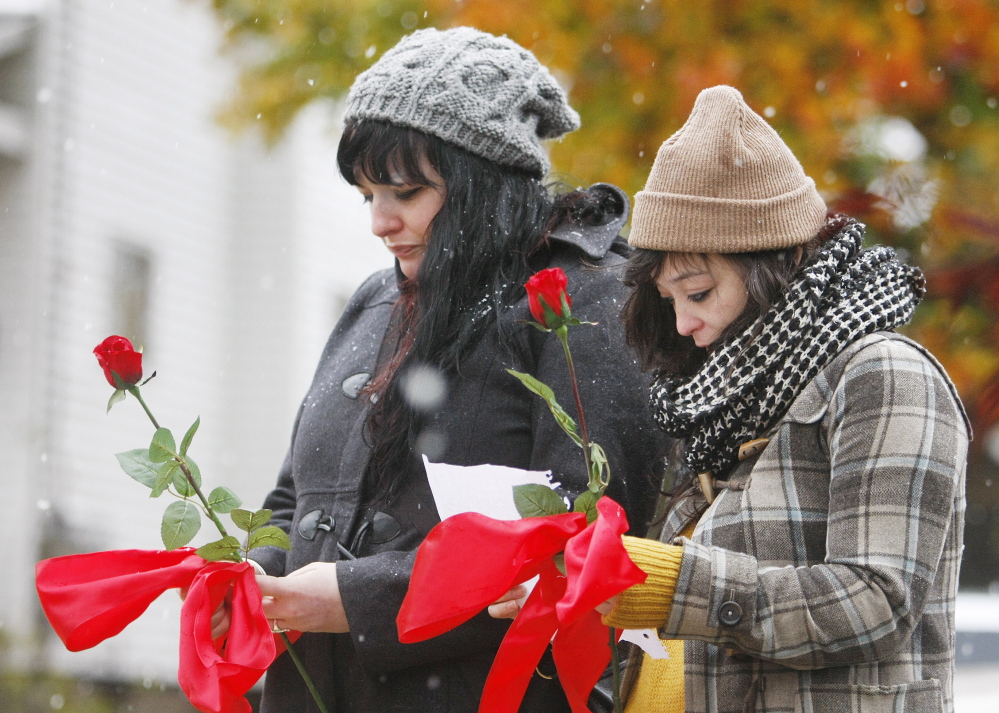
x=748 y=383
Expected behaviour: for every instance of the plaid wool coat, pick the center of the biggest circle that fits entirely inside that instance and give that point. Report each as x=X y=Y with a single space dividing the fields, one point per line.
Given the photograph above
x=823 y=577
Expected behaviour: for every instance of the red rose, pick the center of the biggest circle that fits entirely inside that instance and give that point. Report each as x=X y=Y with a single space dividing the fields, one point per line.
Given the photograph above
x=115 y=354
x=548 y=285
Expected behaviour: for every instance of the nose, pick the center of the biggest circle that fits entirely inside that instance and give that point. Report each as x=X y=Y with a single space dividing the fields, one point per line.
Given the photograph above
x=686 y=323
x=384 y=220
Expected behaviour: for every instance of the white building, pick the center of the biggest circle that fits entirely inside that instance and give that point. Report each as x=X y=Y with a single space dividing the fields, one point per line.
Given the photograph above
x=124 y=209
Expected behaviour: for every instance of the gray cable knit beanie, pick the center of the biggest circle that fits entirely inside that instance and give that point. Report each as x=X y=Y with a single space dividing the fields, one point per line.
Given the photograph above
x=486 y=94
x=725 y=183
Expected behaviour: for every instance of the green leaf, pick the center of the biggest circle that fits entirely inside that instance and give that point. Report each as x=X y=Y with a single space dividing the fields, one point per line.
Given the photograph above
x=559 y=560
x=163 y=447
x=552 y=320
x=566 y=311
x=138 y=467
x=544 y=391
x=164 y=476
x=195 y=470
x=224 y=549
x=180 y=482
x=223 y=500
x=260 y=518
x=535 y=500
x=539 y=327
x=599 y=470
x=188 y=437
x=119 y=382
x=587 y=503
x=241 y=519
x=272 y=536
x=118 y=395
x=250 y=521
x=181 y=522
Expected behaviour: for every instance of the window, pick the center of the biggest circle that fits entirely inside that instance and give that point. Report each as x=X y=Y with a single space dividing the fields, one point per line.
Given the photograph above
x=130 y=294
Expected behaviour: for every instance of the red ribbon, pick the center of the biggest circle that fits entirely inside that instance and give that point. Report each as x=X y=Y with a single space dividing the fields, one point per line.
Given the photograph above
x=495 y=555
x=92 y=597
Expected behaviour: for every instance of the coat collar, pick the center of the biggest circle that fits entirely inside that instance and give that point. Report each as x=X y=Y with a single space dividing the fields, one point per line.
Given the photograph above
x=595 y=240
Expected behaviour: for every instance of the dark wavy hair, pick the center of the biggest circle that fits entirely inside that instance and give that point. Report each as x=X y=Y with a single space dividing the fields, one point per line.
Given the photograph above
x=650 y=322
x=485 y=241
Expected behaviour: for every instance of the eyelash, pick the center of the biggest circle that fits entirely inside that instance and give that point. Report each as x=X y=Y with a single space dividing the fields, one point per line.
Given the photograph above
x=697 y=297
x=402 y=196
x=410 y=194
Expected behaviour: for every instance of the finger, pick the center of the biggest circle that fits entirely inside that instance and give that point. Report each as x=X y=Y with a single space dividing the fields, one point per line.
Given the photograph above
x=221 y=628
x=218 y=616
x=302 y=570
x=607 y=606
x=287 y=608
x=518 y=592
x=278 y=626
x=269 y=586
x=504 y=610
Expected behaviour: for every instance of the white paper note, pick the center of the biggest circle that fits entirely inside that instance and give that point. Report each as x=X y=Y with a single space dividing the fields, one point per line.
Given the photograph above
x=647 y=640
x=488 y=489
x=485 y=489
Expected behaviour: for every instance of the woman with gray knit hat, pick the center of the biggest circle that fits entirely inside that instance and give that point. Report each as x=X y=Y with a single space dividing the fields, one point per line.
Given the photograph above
x=809 y=550
x=442 y=138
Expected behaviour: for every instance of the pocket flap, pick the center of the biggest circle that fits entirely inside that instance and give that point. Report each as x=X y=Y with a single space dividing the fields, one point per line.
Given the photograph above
x=916 y=697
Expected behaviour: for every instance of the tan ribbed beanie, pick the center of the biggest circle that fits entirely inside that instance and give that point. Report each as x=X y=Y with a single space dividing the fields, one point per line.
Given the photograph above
x=725 y=183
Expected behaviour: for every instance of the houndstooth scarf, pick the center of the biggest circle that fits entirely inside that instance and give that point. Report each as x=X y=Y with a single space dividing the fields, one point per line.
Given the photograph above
x=748 y=383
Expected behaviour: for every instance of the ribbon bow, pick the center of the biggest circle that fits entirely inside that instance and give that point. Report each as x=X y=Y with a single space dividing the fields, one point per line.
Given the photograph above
x=496 y=555
x=92 y=597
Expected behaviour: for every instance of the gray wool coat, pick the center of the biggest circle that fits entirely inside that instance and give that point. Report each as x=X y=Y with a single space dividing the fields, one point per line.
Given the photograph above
x=823 y=577
x=487 y=417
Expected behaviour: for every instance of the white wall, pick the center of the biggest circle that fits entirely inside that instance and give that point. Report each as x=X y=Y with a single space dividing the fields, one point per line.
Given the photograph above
x=251 y=252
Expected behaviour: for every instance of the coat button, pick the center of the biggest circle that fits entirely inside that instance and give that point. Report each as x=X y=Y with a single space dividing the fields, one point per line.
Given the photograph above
x=730 y=613
x=352 y=385
x=312 y=522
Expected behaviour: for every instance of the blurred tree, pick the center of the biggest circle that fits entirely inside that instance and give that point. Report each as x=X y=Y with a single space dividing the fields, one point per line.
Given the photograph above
x=892 y=106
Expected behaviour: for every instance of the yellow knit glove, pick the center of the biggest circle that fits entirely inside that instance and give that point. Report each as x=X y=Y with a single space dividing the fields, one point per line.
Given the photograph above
x=647 y=605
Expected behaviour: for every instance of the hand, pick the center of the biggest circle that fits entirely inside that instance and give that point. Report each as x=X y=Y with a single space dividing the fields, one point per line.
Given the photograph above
x=308 y=599
x=508 y=606
x=607 y=606
x=221 y=617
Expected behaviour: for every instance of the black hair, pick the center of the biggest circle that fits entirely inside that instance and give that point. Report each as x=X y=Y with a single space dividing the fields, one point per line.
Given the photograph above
x=650 y=322
x=478 y=256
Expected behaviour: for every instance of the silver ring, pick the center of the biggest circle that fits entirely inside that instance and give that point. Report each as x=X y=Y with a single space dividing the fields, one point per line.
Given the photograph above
x=275 y=628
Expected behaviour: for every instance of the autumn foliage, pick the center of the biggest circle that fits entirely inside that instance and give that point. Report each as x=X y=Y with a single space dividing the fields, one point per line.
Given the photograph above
x=893 y=107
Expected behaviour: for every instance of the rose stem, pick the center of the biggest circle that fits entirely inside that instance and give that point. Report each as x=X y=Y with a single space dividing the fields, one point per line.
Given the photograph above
x=563 y=335
x=135 y=392
x=211 y=513
x=201 y=496
x=615 y=670
x=305 y=674
x=183 y=466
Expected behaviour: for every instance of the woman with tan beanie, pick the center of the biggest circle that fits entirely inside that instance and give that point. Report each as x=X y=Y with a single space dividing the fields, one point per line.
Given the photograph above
x=809 y=552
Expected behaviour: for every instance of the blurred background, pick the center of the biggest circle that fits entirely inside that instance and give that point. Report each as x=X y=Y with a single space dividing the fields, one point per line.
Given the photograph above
x=167 y=173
